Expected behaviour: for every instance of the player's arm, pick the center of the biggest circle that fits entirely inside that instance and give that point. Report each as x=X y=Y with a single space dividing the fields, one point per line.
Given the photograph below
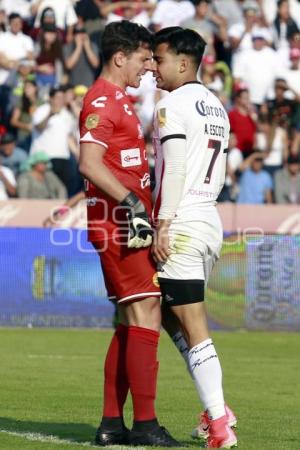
x=92 y=167
x=174 y=154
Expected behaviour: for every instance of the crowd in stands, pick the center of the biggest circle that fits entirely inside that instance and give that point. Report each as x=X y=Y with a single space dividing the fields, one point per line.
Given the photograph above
x=50 y=53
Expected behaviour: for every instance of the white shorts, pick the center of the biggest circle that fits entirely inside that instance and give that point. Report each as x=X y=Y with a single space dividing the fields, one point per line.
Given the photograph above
x=195 y=248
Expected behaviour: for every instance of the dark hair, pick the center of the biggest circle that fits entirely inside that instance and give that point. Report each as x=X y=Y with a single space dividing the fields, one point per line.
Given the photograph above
x=197 y=2
x=182 y=40
x=47 y=12
x=293 y=159
x=239 y=93
x=279 y=2
x=124 y=36
x=26 y=103
x=49 y=53
x=13 y=16
x=54 y=90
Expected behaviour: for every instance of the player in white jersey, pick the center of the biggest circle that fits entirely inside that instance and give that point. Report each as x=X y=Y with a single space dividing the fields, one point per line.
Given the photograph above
x=191 y=133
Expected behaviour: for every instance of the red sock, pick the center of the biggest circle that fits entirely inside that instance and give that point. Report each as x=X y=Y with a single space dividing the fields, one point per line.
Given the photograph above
x=115 y=378
x=142 y=368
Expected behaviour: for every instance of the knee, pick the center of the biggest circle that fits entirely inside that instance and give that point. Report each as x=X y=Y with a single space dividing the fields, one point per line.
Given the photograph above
x=145 y=314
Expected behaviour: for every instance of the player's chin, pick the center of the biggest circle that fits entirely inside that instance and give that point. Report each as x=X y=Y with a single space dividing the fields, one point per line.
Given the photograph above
x=136 y=83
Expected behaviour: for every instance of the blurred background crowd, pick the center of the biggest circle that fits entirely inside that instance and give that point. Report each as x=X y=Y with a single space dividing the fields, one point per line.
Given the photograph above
x=50 y=53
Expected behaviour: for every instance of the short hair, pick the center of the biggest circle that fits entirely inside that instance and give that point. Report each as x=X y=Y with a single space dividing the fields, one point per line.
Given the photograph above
x=55 y=89
x=182 y=41
x=14 y=15
x=239 y=92
x=197 y=2
x=124 y=36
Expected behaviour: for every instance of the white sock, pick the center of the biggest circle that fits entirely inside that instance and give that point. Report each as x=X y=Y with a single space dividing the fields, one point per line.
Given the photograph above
x=206 y=371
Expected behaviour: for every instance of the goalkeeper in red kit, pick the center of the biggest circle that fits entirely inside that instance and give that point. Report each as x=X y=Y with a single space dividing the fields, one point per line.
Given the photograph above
x=113 y=161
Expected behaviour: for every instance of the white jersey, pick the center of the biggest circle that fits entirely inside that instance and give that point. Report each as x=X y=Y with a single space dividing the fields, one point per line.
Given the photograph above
x=194 y=114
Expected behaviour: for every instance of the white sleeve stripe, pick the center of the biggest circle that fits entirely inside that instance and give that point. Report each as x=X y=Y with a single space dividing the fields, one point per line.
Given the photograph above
x=89 y=138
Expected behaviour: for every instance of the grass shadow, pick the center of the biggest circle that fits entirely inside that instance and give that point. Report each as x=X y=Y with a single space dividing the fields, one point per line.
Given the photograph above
x=77 y=432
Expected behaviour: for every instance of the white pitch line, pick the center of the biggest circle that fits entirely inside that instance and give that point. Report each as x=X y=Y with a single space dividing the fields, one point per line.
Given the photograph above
x=45 y=438
x=55 y=440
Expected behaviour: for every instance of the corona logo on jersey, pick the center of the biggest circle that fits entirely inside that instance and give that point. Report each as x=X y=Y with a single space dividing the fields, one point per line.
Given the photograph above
x=208 y=110
x=92 y=121
x=162 y=117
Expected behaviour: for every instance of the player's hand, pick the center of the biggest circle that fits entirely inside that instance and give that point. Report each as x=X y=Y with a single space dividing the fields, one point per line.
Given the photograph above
x=161 y=244
x=140 y=231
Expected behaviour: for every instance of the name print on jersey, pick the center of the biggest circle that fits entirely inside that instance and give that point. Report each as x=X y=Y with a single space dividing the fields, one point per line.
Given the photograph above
x=214 y=130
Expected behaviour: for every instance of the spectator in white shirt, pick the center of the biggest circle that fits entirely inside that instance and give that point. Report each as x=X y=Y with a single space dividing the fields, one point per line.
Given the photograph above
x=53 y=127
x=170 y=13
x=14 y=46
x=240 y=34
x=21 y=7
x=257 y=67
x=7 y=183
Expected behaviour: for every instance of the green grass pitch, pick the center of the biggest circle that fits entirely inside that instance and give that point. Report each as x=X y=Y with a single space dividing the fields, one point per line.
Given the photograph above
x=51 y=388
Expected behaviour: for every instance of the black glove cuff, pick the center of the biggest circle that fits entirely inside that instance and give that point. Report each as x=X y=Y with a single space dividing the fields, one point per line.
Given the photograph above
x=130 y=200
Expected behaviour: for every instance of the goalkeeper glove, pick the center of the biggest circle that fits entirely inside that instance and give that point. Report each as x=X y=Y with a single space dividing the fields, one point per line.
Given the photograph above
x=140 y=231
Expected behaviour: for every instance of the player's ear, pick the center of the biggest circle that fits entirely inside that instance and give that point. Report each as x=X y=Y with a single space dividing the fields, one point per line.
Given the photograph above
x=183 y=65
x=119 y=58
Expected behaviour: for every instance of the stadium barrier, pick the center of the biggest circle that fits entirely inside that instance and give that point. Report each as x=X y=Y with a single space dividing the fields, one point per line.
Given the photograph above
x=52 y=277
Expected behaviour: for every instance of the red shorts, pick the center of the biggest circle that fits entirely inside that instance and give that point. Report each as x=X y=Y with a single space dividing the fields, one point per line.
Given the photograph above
x=129 y=274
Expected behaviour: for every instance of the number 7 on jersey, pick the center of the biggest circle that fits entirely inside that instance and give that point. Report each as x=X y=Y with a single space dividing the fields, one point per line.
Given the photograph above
x=216 y=147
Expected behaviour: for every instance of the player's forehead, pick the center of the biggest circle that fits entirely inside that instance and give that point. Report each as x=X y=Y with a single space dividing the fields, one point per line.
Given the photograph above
x=143 y=52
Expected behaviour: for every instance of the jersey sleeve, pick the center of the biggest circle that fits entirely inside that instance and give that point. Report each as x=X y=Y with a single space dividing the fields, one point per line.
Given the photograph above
x=99 y=118
x=169 y=122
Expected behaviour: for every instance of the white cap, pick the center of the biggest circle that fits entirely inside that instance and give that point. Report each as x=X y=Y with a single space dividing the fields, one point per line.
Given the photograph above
x=250 y=5
x=261 y=33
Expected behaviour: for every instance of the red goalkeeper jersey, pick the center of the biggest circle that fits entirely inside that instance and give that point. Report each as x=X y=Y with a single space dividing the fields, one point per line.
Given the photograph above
x=108 y=119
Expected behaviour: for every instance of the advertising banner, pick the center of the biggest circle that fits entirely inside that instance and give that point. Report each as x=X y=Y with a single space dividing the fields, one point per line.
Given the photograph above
x=51 y=277
x=241 y=219
x=273 y=283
